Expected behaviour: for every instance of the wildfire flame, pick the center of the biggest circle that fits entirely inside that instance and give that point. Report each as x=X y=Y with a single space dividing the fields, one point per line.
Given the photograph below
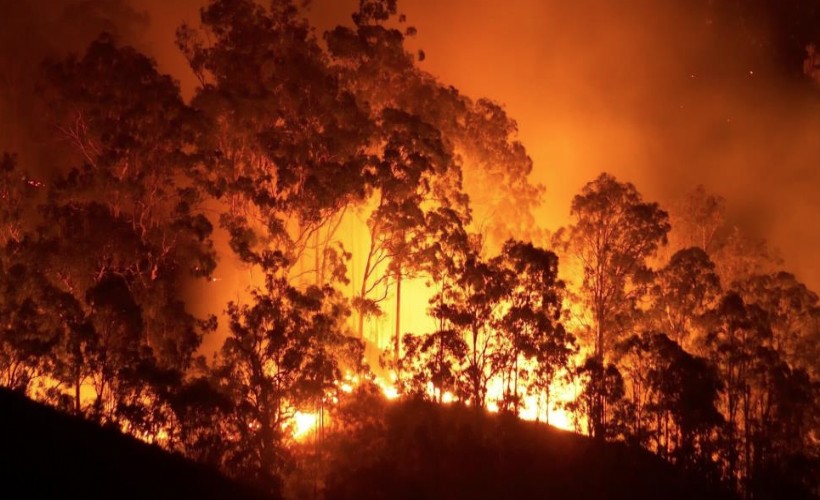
x=533 y=408
x=304 y=424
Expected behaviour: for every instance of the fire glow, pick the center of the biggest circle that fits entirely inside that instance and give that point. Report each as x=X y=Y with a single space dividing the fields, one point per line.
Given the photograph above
x=304 y=424
x=321 y=239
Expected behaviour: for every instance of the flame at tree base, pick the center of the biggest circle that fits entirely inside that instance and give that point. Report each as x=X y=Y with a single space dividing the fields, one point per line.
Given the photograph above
x=304 y=424
x=533 y=408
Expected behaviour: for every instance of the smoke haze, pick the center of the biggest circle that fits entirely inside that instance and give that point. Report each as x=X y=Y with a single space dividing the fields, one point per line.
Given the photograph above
x=666 y=94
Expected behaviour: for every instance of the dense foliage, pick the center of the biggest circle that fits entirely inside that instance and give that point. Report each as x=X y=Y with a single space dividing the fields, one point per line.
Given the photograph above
x=677 y=332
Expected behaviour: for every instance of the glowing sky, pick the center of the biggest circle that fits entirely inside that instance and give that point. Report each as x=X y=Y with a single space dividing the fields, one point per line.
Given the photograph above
x=650 y=91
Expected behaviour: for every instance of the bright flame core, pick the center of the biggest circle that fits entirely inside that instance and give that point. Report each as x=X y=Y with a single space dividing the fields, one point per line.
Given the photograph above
x=303 y=424
x=533 y=407
x=389 y=390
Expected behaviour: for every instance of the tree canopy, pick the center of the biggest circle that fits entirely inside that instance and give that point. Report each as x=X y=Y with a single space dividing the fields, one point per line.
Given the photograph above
x=672 y=331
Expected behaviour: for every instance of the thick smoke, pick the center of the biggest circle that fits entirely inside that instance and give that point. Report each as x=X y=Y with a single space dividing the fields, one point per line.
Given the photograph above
x=667 y=94
x=31 y=32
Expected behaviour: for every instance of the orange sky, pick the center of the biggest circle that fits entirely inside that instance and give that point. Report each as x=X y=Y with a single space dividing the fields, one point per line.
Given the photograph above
x=614 y=86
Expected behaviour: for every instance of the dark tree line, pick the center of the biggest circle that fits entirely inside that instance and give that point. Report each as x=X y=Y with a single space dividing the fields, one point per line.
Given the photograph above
x=680 y=333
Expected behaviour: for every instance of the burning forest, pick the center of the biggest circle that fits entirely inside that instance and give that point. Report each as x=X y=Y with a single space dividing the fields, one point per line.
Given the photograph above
x=304 y=260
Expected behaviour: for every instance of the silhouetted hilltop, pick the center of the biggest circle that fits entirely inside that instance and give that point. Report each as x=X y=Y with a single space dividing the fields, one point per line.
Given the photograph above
x=47 y=454
x=409 y=450
x=421 y=450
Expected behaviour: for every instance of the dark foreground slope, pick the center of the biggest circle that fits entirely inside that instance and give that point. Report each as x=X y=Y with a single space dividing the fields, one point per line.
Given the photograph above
x=411 y=450
x=419 y=450
x=46 y=454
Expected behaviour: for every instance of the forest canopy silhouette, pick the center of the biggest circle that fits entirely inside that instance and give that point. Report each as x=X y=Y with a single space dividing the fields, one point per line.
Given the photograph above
x=323 y=272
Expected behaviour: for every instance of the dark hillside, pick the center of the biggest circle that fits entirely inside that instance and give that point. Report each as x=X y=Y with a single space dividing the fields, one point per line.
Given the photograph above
x=409 y=450
x=422 y=450
x=47 y=454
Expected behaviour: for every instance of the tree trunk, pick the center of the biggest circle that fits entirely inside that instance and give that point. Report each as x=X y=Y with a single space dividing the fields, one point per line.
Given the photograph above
x=515 y=385
x=77 y=382
x=439 y=364
x=599 y=397
x=363 y=292
x=361 y=325
x=599 y=340
x=547 y=402
x=397 y=340
x=475 y=375
x=267 y=454
x=316 y=259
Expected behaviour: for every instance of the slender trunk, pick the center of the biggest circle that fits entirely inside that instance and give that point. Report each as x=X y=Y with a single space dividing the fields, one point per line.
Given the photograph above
x=397 y=340
x=599 y=340
x=439 y=363
x=476 y=378
x=441 y=308
x=77 y=383
x=316 y=260
x=361 y=325
x=658 y=433
x=479 y=401
x=547 y=402
x=267 y=453
x=599 y=398
x=363 y=296
x=316 y=448
x=363 y=292
x=515 y=385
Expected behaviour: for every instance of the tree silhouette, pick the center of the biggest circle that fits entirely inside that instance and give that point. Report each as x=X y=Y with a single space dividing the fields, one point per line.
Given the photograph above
x=471 y=305
x=433 y=363
x=276 y=361
x=376 y=64
x=418 y=197
x=792 y=311
x=284 y=143
x=674 y=401
x=739 y=339
x=613 y=235
x=684 y=291
x=530 y=326
x=698 y=220
x=601 y=400
x=708 y=361
x=135 y=153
